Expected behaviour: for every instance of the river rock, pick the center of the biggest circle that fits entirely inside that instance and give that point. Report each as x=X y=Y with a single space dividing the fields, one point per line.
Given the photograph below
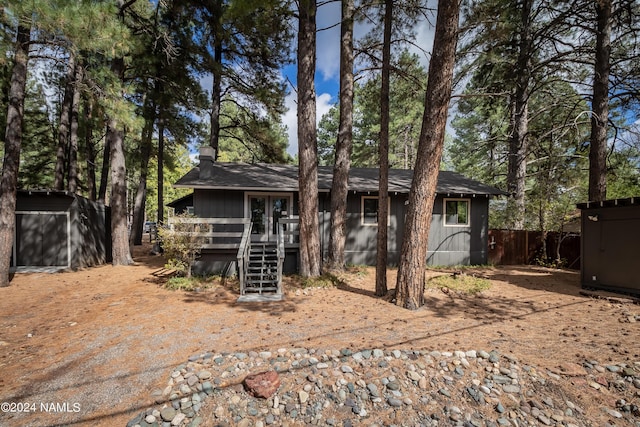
x=263 y=384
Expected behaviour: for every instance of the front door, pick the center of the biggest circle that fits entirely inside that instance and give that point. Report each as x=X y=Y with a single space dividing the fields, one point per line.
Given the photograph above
x=265 y=210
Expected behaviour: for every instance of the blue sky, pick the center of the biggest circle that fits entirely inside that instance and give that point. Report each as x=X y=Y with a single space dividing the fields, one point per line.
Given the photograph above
x=328 y=65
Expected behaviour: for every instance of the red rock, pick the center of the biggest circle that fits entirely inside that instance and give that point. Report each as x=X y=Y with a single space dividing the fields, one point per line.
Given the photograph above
x=263 y=384
x=602 y=381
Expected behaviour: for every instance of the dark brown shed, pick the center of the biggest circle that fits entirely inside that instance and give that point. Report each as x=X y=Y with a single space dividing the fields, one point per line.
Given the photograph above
x=611 y=245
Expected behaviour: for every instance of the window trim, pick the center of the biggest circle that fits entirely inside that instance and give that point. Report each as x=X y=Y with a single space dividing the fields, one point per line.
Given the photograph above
x=444 y=211
x=362 y=217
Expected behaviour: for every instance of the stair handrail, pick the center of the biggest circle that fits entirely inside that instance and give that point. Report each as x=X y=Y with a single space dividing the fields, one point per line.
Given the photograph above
x=281 y=254
x=243 y=256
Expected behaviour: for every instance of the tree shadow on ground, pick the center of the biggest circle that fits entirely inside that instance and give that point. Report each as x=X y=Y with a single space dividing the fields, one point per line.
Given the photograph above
x=226 y=292
x=536 y=278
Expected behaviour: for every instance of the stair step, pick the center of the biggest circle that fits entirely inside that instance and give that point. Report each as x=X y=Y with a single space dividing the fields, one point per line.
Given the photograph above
x=261 y=289
x=261 y=298
x=261 y=272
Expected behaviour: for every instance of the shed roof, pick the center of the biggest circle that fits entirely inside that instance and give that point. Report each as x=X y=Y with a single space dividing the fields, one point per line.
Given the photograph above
x=273 y=177
x=631 y=201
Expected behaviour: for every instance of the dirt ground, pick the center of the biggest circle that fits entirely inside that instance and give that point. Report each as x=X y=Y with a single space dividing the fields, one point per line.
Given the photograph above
x=95 y=342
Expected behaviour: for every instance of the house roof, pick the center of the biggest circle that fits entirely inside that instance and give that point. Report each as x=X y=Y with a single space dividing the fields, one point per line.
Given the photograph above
x=273 y=177
x=187 y=198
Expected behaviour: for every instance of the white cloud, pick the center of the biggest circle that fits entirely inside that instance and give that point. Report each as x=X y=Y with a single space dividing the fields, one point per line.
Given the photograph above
x=290 y=119
x=328 y=41
x=424 y=41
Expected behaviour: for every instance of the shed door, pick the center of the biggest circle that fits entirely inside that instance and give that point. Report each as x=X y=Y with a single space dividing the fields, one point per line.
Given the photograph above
x=42 y=239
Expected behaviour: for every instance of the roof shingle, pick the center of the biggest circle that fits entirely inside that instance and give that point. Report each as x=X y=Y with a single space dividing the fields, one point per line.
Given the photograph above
x=273 y=177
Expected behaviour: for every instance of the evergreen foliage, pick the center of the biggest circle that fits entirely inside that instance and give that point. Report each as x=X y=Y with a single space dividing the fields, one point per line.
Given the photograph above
x=407 y=85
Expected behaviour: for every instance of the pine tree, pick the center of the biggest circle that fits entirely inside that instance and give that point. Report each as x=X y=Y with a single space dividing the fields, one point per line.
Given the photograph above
x=307 y=145
x=12 y=146
x=383 y=156
x=247 y=43
x=342 y=162
x=411 y=271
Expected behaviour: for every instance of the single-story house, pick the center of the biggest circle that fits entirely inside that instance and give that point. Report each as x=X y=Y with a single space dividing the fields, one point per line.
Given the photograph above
x=610 y=245
x=183 y=205
x=267 y=194
x=59 y=230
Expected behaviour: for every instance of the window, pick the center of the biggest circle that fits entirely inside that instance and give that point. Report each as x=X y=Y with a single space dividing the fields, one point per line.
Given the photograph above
x=456 y=212
x=369 y=210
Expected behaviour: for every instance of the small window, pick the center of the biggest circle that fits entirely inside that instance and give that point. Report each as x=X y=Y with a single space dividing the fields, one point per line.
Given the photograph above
x=190 y=210
x=369 y=210
x=456 y=212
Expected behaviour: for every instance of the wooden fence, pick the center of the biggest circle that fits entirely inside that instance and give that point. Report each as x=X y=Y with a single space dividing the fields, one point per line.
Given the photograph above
x=517 y=247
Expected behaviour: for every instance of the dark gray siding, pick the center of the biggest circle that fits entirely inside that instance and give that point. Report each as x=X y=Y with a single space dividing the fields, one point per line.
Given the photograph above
x=227 y=204
x=91 y=234
x=610 y=248
x=42 y=240
x=218 y=204
x=56 y=229
x=447 y=245
x=361 y=240
x=459 y=245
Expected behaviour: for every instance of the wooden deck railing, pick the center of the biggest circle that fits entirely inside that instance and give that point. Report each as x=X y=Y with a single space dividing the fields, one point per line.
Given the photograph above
x=290 y=232
x=225 y=233
x=216 y=233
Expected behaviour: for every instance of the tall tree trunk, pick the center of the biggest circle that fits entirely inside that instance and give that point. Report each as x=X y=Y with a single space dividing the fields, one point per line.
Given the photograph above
x=137 y=226
x=307 y=142
x=339 y=186
x=104 y=174
x=411 y=272
x=64 y=126
x=73 y=135
x=119 y=231
x=12 y=146
x=517 y=164
x=600 y=114
x=518 y=147
x=90 y=151
x=216 y=92
x=383 y=152
x=160 y=167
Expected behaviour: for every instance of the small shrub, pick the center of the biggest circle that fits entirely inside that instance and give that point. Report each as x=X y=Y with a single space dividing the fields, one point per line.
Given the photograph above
x=181 y=245
x=192 y=283
x=324 y=281
x=550 y=263
x=462 y=283
x=359 y=270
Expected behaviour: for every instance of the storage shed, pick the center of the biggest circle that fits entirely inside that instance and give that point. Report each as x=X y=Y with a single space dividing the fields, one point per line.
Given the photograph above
x=59 y=230
x=611 y=245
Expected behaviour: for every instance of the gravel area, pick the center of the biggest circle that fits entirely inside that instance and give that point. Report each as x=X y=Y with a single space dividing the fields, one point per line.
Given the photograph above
x=392 y=388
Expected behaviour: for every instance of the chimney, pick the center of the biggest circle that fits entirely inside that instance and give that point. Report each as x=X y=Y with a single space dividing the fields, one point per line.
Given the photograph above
x=207 y=157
